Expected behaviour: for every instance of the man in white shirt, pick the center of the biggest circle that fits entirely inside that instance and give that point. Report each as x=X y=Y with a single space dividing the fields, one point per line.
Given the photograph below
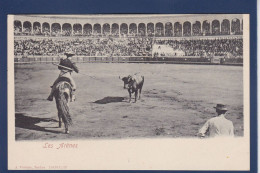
x=218 y=126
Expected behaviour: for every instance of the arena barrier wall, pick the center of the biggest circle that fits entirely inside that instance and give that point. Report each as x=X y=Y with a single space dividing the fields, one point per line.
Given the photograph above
x=135 y=59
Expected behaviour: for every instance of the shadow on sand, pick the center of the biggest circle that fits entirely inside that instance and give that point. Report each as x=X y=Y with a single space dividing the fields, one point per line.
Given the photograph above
x=27 y=122
x=106 y=100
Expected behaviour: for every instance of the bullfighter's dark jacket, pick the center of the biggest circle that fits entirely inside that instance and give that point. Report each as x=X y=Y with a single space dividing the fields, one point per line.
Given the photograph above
x=68 y=63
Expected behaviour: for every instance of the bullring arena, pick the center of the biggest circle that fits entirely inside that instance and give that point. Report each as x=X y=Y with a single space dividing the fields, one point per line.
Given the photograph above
x=190 y=63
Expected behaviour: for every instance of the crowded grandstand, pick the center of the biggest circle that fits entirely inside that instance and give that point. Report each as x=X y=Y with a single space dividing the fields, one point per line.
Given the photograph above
x=145 y=36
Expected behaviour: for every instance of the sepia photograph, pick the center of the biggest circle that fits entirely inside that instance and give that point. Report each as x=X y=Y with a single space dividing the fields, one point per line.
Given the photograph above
x=129 y=77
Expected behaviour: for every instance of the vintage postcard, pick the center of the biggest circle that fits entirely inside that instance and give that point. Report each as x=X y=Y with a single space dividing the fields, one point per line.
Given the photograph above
x=129 y=92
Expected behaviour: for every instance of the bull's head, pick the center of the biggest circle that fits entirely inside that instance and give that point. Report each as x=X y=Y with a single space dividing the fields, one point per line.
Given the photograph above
x=126 y=81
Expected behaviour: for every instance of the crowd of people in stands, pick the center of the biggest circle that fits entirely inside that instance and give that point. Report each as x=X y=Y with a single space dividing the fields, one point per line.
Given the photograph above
x=128 y=46
x=86 y=47
x=206 y=47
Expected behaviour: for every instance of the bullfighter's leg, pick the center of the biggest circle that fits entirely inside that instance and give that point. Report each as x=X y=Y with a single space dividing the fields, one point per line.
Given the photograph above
x=59 y=114
x=60 y=120
x=66 y=129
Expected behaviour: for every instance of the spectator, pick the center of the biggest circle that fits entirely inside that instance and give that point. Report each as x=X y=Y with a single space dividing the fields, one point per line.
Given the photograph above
x=218 y=126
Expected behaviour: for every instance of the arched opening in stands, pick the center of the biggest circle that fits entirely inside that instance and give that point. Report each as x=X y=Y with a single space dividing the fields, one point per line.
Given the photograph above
x=196 y=28
x=235 y=26
x=46 y=28
x=87 y=29
x=97 y=29
x=27 y=27
x=55 y=29
x=123 y=29
x=133 y=29
x=66 y=29
x=115 y=29
x=187 y=29
x=206 y=28
x=150 y=29
x=17 y=26
x=225 y=27
x=168 y=29
x=106 y=29
x=141 y=29
x=215 y=27
x=177 y=29
x=36 y=28
x=159 y=31
x=77 y=29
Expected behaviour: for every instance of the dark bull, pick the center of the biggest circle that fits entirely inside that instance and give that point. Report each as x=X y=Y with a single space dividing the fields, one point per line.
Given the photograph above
x=133 y=84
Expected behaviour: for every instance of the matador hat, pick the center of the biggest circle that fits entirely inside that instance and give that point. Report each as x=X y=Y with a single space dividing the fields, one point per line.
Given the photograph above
x=69 y=54
x=221 y=107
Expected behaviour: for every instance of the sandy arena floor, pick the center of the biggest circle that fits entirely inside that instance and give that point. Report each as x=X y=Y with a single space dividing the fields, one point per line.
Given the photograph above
x=176 y=101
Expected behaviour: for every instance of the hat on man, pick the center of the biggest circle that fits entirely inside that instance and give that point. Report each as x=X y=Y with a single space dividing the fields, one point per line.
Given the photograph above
x=221 y=107
x=69 y=54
